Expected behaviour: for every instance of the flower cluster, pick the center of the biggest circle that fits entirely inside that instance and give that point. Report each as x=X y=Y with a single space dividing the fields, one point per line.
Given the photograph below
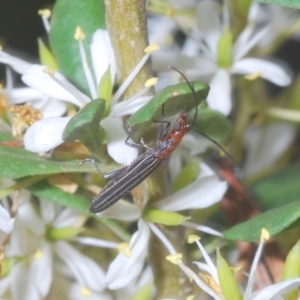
x=51 y=247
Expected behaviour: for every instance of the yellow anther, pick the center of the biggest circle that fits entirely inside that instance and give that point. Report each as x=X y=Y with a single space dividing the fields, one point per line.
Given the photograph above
x=49 y=71
x=23 y=117
x=150 y=82
x=125 y=248
x=86 y=292
x=151 y=48
x=79 y=34
x=122 y=246
x=253 y=75
x=265 y=235
x=193 y=238
x=175 y=258
x=38 y=254
x=44 y=13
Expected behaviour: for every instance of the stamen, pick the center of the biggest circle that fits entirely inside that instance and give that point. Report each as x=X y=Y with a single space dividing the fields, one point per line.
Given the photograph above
x=132 y=75
x=264 y=236
x=193 y=238
x=67 y=86
x=213 y=269
x=80 y=36
x=45 y=14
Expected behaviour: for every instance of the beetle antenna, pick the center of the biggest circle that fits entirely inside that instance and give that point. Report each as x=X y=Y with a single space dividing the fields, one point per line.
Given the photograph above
x=194 y=94
x=217 y=144
x=196 y=114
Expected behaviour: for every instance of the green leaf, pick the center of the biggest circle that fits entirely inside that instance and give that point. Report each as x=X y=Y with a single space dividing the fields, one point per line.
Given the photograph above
x=278 y=189
x=287 y=3
x=274 y=221
x=43 y=189
x=85 y=126
x=176 y=99
x=213 y=124
x=67 y=15
x=18 y=162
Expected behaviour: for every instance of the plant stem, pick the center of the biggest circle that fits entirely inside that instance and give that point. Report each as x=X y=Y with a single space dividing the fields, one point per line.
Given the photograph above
x=126 y=23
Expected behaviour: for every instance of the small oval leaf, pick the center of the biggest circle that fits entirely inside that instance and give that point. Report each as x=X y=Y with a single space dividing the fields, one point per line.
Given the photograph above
x=67 y=15
x=176 y=99
x=85 y=126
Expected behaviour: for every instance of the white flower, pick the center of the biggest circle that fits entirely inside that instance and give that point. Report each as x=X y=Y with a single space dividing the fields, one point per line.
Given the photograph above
x=200 y=60
x=275 y=291
x=31 y=275
x=207 y=190
x=46 y=134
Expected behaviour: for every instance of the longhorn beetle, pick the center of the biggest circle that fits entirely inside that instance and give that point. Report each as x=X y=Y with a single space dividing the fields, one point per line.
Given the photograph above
x=127 y=178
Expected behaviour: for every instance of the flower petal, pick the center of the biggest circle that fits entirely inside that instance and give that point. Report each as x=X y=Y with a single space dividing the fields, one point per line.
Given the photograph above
x=102 y=54
x=6 y=222
x=267 y=70
x=124 y=269
x=244 y=43
x=266 y=144
x=201 y=193
x=121 y=210
x=85 y=270
x=44 y=135
x=276 y=289
x=50 y=107
x=22 y=95
x=219 y=97
x=116 y=137
x=209 y=23
x=33 y=281
x=57 y=86
x=128 y=107
x=19 y=65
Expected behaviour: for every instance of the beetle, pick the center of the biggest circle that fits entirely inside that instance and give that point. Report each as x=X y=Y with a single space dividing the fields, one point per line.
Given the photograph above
x=127 y=178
